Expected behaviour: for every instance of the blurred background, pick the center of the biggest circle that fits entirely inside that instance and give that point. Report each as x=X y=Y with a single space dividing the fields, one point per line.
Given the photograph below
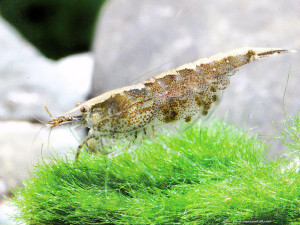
x=57 y=53
x=56 y=28
x=43 y=45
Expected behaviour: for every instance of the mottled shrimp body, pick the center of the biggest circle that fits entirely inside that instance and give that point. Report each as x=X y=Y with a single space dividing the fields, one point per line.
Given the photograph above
x=185 y=93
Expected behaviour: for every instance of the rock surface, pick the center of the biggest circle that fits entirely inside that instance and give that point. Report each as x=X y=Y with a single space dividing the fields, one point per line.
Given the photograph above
x=23 y=144
x=29 y=81
x=140 y=38
x=6 y=211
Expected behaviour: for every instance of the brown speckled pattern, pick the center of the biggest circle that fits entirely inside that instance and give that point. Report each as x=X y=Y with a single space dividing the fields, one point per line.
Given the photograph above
x=184 y=93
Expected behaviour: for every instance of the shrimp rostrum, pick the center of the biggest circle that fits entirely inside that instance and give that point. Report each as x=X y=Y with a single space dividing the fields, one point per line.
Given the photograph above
x=185 y=93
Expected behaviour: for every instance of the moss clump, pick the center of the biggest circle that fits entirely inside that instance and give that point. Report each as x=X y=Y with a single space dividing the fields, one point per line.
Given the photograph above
x=290 y=133
x=220 y=176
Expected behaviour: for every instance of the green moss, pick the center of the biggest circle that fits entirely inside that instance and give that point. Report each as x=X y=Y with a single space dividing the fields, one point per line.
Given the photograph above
x=290 y=132
x=220 y=175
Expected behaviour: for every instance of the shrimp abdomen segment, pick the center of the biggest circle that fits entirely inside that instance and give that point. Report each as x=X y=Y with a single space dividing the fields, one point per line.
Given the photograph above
x=193 y=88
x=185 y=93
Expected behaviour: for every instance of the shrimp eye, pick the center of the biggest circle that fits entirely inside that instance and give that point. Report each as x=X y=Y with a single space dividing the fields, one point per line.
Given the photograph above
x=84 y=108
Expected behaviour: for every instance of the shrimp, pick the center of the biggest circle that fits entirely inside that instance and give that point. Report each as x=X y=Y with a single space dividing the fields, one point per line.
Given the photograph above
x=185 y=93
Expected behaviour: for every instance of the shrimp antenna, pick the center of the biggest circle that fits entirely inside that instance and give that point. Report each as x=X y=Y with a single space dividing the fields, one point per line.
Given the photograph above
x=39 y=120
x=48 y=111
x=38 y=133
x=48 y=141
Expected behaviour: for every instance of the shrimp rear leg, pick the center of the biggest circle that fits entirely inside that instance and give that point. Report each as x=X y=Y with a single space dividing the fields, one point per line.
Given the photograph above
x=89 y=138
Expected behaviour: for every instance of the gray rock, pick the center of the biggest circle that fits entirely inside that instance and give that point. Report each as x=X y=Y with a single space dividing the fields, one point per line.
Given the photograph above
x=23 y=144
x=7 y=211
x=29 y=81
x=141 y=38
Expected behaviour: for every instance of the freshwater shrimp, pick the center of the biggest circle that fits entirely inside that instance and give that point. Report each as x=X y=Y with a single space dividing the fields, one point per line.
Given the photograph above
x=185 y=93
